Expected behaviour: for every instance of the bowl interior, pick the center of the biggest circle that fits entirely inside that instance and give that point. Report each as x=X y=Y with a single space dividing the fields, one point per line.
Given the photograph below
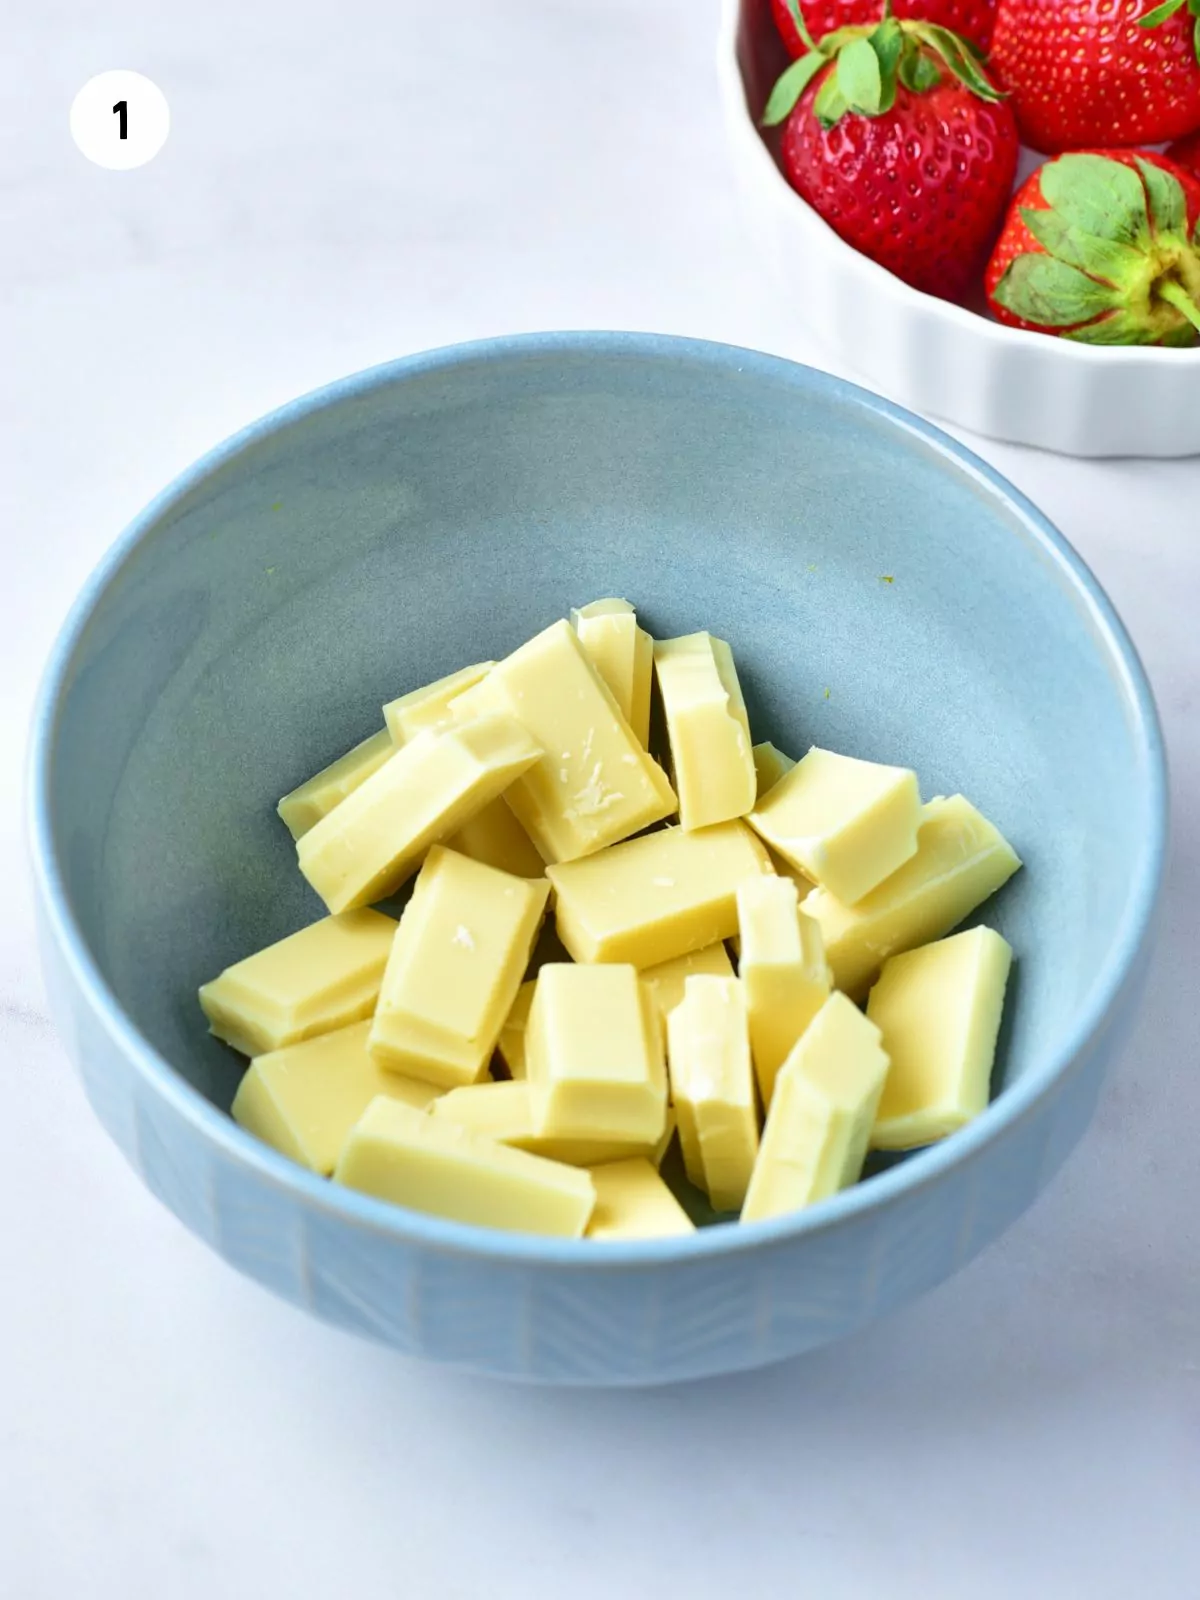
x=884 y=595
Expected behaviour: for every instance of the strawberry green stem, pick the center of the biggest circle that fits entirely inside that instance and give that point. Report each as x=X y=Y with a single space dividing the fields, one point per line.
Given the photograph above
x=1176 y=295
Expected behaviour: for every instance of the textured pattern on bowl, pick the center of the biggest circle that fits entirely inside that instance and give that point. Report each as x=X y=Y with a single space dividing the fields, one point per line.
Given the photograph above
x=925 y=353
x=381 y=532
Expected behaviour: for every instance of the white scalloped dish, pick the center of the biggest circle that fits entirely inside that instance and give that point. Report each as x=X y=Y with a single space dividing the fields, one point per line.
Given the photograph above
x=941 y=359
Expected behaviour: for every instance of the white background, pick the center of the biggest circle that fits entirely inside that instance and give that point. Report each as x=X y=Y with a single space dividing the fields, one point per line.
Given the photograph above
x=344 y=183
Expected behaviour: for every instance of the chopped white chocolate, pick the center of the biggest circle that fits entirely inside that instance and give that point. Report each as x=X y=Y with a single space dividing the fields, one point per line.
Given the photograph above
x=428 y=708
x=595 y=784
x=511 y=1043
x=305 y=806
x=456 y=964
x=826 y=1094
x=594 y=1056
x=657 y=897
x=632 y=1202
x=666 y=980
x=847 y=824
x=961 y=859
x=783 y=970
x=504 y=1111
x=712 y=1085
x=434 y=1164
x=770 y=764
x=711 y=756
x=623 y=655
x=495 y=837
x=376 y=839
x=469 y=1063
x=323 y=977
x=939 y=1011
x=304 y=1100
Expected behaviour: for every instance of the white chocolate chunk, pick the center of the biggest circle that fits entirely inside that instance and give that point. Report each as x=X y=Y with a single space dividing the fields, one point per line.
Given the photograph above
x=770 y=764
x=623 y=655
x=511 y=1043
x=504 y=1111
x=594 y=1056
x=595 y=784
x=375 y=840
x=712 y=1085
x=939 y=1011
x=961 y=859
x=783 y=970
x=495 y=837
x=654 y=898
x=435 y=1165
x=847 y=824
x=323 y=977
x=304 y=1100
x=428 y=708
x=456 y=964
x=305 y=806
x=826 y=1094
x=711 y=756
x=666 y=980
x=632 y=1202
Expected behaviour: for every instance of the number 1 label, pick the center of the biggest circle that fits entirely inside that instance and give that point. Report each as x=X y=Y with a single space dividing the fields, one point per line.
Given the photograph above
x=120 y=119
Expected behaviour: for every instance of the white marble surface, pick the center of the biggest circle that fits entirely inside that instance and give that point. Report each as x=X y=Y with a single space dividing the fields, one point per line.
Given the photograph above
x=345 y=183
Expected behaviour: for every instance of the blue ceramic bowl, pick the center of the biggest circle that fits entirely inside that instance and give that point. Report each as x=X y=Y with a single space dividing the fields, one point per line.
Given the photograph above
x=885 y=593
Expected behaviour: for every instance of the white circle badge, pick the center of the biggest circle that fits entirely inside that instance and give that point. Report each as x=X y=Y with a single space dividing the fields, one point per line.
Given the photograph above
x=120 y=119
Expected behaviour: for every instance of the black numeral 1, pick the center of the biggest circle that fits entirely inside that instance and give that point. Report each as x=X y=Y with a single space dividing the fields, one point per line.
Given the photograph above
x=121 y=109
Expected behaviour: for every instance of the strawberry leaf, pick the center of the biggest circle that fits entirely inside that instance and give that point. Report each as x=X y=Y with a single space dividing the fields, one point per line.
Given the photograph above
x=790 y=86
x=918 y=72
x=1124 y=327
x=961 y=61
x=859 y=78
x=830 y=105
x=1168 y=204
x=1099 y=258
x=1119 y=327
x=871 y=63
x=1101 y=197
x=1196 y=37
x=888 y=44
x=1051 y=294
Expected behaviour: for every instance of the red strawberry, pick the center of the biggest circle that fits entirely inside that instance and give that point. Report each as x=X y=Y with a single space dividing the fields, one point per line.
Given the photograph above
x=899 y=140
x=972 y=19
x=1186 y=153
x=1099 y=72
x=1103 y=247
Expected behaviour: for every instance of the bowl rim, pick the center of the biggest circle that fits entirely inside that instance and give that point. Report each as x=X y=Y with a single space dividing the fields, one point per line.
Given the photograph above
x=265 y=1165
x=743 y=129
